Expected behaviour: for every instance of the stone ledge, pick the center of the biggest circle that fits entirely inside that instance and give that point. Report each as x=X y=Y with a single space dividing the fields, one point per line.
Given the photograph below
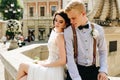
x=114 y=78
x=12 y=59
x=11 y=62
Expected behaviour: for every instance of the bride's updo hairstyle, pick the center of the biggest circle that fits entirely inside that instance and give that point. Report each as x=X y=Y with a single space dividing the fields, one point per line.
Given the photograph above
x=63 y=15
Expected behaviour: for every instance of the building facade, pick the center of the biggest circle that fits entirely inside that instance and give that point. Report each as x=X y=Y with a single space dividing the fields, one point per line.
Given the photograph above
x=38 y=18
x=2 y=28
x=38 y=15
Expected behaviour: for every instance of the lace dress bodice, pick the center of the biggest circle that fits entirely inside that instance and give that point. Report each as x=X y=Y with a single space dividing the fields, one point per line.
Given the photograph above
x=52 y=47
x=37 y=72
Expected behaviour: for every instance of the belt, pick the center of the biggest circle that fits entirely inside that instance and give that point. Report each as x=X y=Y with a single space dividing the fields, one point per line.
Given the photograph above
x=91 y=66
x=85 y=64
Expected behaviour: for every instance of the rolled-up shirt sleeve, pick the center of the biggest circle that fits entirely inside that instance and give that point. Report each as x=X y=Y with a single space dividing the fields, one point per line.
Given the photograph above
x=71 y=65
x=102 y=49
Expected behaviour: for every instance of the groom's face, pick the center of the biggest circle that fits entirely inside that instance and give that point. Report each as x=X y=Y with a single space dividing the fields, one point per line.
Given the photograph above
x=75 y=17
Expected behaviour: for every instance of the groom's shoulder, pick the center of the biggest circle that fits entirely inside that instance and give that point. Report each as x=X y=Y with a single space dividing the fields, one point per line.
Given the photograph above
x=68 y=28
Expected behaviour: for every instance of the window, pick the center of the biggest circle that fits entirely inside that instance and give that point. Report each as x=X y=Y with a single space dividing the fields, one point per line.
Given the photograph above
x=53 y=10
x=42 y=11
x=31 y=11
x=112 y=46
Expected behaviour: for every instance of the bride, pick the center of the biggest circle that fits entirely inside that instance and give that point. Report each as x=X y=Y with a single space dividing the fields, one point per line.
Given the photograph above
x=53 y=67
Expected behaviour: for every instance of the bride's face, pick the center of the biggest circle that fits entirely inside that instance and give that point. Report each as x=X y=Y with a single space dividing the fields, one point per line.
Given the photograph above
x=59 y=22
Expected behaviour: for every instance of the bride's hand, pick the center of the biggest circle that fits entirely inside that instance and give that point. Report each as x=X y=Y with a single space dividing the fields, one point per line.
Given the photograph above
x=35 y=61
x=42 y=63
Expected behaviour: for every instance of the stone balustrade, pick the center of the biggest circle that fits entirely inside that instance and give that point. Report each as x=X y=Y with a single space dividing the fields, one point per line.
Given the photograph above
x=11 y=59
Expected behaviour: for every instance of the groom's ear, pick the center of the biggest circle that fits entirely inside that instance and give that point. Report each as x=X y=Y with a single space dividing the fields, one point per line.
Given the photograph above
x=83 y=13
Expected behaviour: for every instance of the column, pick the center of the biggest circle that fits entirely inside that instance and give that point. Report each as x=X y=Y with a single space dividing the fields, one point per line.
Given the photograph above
x=36 y=33
x=25 y=28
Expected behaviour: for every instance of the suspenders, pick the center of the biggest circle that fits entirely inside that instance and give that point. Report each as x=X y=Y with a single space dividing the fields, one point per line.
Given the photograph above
x=76 y=47
x=94 y=48
x=75 y=44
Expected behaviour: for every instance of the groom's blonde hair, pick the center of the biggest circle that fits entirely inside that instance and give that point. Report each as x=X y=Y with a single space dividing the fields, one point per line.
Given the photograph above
x=77 y=5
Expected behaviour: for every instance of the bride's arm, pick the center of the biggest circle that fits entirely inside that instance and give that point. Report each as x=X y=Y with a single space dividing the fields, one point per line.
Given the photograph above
x=62 y=53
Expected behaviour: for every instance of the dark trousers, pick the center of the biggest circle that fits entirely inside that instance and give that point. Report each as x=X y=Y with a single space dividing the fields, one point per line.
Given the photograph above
x=86 y=73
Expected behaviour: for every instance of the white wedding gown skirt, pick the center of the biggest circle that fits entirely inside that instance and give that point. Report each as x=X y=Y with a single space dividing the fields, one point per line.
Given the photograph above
x=37 y=72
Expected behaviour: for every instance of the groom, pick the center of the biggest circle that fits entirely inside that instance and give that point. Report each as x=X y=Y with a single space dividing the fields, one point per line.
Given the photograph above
x=84 y=68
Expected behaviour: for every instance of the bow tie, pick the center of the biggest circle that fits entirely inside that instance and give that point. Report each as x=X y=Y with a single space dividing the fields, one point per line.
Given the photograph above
x=85 y=26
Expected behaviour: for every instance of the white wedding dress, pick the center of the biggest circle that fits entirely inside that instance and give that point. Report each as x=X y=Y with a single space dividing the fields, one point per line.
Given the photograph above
x=37 y=72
